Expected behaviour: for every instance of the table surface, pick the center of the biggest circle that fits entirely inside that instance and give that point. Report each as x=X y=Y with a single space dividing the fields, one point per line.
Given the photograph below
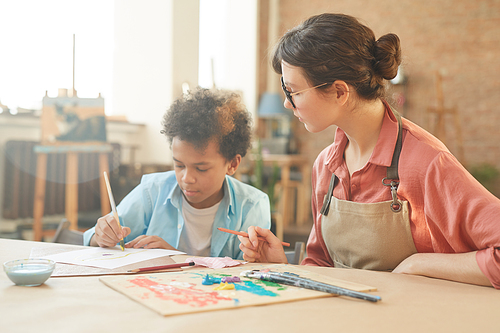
x=409 y=304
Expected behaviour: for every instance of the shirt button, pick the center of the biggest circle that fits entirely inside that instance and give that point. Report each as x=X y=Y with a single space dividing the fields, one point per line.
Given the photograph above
x=179 y=226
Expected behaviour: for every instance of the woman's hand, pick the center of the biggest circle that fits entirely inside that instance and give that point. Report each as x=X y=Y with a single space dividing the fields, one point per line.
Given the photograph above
x=149 y=242
x=268 y=249
x=107 y=232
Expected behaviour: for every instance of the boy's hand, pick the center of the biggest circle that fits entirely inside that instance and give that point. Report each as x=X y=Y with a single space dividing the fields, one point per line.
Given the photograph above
x=149 y=242
x=268 y=250
x=107 y=232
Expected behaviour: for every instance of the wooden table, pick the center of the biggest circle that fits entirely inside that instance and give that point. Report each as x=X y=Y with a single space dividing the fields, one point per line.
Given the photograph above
x=409 y=304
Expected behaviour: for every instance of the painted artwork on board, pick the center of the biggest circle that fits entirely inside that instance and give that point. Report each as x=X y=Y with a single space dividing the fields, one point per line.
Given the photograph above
x=72 y=119
x=207 y=290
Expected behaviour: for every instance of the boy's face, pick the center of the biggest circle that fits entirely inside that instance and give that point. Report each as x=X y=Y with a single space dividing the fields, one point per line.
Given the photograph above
x=201 y=173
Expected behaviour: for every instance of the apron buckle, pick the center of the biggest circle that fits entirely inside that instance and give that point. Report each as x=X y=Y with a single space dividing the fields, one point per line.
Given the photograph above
x=395 y=204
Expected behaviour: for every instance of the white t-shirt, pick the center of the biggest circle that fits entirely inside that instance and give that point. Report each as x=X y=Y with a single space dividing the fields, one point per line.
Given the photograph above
x=197 y=233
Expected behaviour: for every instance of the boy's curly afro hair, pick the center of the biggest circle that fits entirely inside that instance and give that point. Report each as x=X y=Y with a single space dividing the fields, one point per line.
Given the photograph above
x=202 y=115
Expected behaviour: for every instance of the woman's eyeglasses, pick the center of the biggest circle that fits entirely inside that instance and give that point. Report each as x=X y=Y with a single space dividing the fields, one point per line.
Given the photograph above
x=289 y=94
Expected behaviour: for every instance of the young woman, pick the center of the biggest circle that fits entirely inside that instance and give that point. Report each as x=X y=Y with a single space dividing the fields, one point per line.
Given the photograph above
x=387 y=195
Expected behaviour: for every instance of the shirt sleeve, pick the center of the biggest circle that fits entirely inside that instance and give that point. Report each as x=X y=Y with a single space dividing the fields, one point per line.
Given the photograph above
x=87 y=236
x=317 y=253
x=135 y=211
x=462 y=216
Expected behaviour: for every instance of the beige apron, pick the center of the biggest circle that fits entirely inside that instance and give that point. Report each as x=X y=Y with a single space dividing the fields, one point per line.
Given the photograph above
x=375 y=236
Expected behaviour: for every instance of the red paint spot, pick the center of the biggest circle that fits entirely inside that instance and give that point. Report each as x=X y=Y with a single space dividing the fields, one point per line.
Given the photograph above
x=188 y=296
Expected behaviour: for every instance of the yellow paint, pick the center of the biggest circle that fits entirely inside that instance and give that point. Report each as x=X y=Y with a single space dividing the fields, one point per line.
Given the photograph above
x=224 y=286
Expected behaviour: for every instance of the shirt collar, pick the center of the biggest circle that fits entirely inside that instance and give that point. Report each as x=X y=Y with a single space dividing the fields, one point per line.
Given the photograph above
x=381 y=154
x=228 y=195
x=175 y=196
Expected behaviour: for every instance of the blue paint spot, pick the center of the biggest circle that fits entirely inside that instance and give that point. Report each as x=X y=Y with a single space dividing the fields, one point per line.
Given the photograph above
x=210 y=280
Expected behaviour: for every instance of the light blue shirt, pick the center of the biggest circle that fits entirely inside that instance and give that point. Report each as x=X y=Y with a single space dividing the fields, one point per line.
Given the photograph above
x=154 y=207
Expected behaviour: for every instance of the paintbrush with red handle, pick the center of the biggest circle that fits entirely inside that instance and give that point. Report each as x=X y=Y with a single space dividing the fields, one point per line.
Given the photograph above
x=244 y=234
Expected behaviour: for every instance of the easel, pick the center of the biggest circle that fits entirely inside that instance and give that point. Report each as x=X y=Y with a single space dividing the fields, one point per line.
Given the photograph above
x=441 y=111
x=72 y=151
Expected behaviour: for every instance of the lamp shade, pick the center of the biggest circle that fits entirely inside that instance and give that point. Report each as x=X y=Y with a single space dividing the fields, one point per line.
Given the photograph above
x=271 y=106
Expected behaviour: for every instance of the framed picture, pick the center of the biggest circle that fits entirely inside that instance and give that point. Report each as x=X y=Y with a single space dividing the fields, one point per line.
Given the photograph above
x=72 y=119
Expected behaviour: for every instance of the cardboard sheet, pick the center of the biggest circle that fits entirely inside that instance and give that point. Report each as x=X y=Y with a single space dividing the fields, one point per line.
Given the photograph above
x=183 y=292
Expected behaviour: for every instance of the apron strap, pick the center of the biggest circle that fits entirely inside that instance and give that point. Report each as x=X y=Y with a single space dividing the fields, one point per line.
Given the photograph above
x=328 y=196
x=392 y=171
x=392 y=174
x=392 y=178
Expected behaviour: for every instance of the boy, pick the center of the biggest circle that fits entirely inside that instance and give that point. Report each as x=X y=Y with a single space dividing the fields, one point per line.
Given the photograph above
x=209 y=132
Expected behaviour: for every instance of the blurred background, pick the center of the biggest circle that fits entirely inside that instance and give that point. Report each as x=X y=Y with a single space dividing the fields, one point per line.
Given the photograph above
x=130 y=59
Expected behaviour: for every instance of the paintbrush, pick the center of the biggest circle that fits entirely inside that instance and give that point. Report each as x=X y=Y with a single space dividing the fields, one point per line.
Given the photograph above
x=244 y=234
x=156 y=268
x=113 y=207
x=297 y=281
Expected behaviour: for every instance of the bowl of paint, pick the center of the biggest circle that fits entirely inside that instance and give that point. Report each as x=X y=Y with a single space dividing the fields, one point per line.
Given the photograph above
x=29 y=272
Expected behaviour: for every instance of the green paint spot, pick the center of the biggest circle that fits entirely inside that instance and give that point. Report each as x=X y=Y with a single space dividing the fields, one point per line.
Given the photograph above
x=271 y=284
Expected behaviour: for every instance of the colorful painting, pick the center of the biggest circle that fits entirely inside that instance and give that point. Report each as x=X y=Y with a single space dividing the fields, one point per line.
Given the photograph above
x=72 y=119
x=196 y=290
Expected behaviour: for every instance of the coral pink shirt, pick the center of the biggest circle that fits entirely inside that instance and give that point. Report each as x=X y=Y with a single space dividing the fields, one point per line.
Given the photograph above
x=450 y=212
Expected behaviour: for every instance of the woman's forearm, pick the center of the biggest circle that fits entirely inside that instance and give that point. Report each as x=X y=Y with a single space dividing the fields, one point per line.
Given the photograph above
x=460 y=267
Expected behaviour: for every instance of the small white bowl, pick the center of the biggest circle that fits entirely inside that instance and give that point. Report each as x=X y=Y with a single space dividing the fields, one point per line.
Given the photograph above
x=29 y=272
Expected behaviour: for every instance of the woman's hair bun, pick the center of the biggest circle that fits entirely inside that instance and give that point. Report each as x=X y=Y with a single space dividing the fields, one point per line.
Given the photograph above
x=387 y=53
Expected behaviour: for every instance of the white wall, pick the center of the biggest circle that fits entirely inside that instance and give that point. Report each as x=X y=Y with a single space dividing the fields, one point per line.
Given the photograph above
x=149 y=37
x=156 y=50
x=228 y=35
x=36 y=43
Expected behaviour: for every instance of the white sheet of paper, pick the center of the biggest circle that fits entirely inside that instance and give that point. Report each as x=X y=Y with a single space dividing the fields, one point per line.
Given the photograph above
x=109 y=257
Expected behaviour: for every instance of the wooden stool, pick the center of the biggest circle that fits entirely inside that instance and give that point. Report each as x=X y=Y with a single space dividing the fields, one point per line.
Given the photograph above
x=71 y=150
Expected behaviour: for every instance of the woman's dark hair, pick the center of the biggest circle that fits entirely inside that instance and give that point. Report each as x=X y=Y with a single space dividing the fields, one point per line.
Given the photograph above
x=202 y=115
x=331 y=47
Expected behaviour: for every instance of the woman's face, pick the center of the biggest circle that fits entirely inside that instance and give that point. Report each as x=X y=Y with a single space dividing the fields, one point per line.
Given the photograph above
x=312 y=107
